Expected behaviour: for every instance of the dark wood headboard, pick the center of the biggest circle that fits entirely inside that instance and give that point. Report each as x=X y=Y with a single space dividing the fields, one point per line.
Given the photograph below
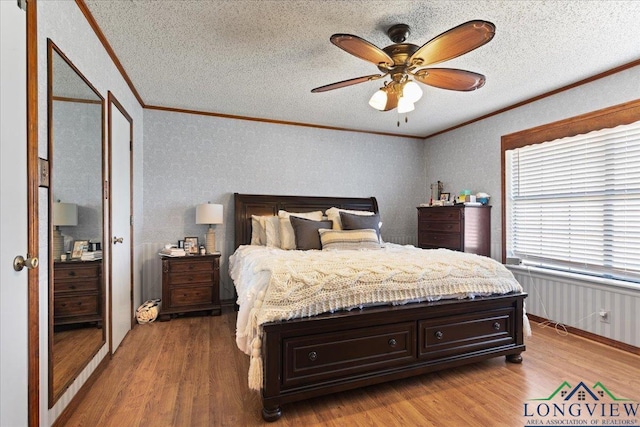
x=246 y=205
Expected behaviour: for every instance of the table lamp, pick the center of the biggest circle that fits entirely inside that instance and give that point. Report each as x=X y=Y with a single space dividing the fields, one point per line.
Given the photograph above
x=65 y=214
x=209 y=213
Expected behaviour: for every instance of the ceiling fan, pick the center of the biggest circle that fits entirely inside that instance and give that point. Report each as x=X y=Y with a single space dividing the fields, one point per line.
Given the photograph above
x=404 y=61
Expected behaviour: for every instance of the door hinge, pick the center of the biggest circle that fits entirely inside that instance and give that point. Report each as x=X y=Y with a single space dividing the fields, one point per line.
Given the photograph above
x=22 y=4
x=131 y=220
x=106 y=189
x=131 y=145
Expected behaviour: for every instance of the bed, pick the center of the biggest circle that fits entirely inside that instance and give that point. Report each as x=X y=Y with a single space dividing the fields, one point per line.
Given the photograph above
x=313 y=355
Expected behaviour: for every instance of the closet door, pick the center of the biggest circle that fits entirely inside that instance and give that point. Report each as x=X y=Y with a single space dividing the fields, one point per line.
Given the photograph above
x=120 y=203
x=13 y=216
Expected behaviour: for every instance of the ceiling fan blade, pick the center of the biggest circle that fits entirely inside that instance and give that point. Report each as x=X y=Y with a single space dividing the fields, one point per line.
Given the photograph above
x=361 y=48
x=450 y=78
x=454 y=42
x=345 y=83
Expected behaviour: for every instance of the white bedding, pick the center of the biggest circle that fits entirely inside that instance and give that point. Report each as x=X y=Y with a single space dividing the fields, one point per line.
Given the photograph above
x=274 y=284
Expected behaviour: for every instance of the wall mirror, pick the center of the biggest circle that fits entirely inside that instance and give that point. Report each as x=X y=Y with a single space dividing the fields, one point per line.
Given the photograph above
x=76 y=222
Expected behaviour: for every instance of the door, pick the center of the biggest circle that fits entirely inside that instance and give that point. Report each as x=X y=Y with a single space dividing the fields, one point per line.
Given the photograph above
x=13 y=216
x=120 y=144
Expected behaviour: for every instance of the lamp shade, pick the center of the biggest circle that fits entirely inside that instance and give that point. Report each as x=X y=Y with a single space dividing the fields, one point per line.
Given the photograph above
x=379 y=100
x=404 y=105
x=209 y=213
x=412 y=91
x=65 y=214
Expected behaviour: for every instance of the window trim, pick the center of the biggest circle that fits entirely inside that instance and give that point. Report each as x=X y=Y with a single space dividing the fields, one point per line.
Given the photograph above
x=621 y=114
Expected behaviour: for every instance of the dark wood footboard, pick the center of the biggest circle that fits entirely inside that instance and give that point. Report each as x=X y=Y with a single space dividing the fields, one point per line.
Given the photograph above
x=310 y=357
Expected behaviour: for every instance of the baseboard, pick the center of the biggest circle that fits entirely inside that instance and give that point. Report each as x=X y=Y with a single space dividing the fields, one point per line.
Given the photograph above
x=591 y=336
x=75 y=400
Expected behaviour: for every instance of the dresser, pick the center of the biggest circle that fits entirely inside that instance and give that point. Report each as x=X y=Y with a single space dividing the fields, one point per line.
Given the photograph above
x=77 y=292
x=190 y=283
x=458 y=227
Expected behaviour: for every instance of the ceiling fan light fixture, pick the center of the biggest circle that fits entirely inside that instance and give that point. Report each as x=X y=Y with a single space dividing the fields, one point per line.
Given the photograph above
x=379 y=100
x=412 y=91
x=405 y=105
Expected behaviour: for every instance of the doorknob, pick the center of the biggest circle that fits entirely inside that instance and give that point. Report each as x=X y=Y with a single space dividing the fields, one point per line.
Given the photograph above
x=19 y=262
x=117 y=240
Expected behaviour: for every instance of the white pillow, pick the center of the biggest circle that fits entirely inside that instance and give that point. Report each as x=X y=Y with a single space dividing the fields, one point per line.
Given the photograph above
x=272 y=231
x=334 y=215
x=349 y=239
x=258 y=231
x=287 y=236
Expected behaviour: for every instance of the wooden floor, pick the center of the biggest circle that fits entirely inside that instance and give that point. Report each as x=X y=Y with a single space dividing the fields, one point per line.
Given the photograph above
x=72 y=350
x=189 y=372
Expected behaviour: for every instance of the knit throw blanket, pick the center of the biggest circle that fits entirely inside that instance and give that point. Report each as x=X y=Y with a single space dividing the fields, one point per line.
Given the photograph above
x=307 y=283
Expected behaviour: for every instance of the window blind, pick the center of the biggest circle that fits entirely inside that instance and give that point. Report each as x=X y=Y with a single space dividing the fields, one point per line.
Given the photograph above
x=574 y=203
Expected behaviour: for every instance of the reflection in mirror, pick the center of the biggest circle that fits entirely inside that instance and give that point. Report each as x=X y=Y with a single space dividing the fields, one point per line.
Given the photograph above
x=76 y=283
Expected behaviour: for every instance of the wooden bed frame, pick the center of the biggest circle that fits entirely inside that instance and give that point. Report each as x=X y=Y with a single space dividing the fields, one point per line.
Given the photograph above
x=305 y=358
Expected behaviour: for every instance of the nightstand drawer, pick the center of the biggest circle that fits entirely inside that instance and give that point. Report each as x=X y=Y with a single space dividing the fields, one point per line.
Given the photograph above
x=191 y=295
x=190 y=266
x=184 y=279
x=80 y=271
x=77 y=305
x=76 y=285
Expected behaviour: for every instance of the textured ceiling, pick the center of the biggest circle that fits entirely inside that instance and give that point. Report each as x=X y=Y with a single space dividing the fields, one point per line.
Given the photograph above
x=261 y=59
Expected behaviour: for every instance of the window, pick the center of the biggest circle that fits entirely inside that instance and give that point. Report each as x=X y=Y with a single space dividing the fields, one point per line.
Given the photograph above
x=573 y=202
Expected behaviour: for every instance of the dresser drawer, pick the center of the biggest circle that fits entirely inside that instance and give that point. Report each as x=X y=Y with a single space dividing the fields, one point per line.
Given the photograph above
x=440 y=214
x=188 y=278
x=191 y=295
x=61 y=286
x=76 y=305
x=465 y=333
x=440 y=240
x=322 y=357
x=186 y=266
x=445 y=226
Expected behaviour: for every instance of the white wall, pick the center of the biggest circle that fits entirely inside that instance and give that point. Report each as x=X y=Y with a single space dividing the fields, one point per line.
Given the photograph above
x=191 y=159
x=469 y=158
x=64 y=23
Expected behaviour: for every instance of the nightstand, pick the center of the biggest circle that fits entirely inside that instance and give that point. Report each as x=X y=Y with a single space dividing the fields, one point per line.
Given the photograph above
x=77 y=292
x=190 y=283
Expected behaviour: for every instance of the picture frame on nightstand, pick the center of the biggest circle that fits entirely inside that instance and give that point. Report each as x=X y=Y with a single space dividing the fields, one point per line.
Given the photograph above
x=191 y=245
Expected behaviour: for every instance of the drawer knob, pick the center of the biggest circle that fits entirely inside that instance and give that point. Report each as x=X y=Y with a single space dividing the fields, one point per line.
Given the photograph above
x=393 y=342
x=72 y=287
x=313 y=356
x=439 y=335
x=72 y=273
x=496 y=326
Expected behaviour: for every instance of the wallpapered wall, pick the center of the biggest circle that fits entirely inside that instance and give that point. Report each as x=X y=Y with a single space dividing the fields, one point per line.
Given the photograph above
x=191 y=159
x=469 y=157
x=77 y=165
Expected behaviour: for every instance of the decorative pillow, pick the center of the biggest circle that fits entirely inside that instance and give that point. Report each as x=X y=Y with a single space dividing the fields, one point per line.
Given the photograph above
x=334 y=215
x=258 y=231
x=272 y=231
x=287 y=238
x=306 y=232
x=349 y=239
x=358 y=222
x=148 y=312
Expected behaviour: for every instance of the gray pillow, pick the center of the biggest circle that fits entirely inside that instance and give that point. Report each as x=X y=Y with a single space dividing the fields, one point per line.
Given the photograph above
x=306 y=232
x=360 y=222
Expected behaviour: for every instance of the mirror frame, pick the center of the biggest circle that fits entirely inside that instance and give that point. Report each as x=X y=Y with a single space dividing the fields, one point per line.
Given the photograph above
x=51 y=48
